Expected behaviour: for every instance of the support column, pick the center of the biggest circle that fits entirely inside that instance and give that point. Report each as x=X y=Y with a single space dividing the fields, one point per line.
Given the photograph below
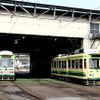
x=86 y=43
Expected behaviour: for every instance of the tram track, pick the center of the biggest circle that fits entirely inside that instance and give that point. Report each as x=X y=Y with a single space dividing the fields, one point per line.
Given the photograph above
x=61 y=90
x=32 y=90
x=25 y=89
x=75 y=89
x=13 y=92
x=4 y=93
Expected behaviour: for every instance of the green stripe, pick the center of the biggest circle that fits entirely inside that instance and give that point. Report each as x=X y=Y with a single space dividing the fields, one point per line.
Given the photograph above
x=82 y=74
x=37 y=80
x=95 y=57
x=76 y=57
x=34 y=80
x=95 y=69
x=73 y=73
x=60 y=72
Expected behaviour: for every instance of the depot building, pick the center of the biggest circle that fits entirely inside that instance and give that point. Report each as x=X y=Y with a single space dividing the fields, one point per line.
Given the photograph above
x=43 y=31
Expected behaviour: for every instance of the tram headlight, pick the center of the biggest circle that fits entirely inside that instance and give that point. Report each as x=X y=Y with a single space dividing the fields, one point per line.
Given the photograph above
x=11 y=72
x=91 y=74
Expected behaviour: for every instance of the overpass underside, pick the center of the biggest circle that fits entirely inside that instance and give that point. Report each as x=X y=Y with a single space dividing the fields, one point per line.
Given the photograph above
x=41 y=49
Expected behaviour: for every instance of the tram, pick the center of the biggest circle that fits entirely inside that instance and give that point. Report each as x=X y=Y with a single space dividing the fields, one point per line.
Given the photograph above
x=83 y=67
x=7 y=65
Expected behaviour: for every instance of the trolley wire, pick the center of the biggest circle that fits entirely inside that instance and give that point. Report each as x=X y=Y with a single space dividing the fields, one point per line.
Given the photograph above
x=72 y=21
x=14 y=23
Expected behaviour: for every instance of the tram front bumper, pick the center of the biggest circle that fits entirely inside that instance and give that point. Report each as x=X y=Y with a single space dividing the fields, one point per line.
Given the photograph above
x=97 y=79
x=6 y=77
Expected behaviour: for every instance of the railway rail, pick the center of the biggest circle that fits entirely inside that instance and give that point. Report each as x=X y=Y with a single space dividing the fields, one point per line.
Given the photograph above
x=47 y=90
x=12 y=91
x=76 y=90
x=86 y=92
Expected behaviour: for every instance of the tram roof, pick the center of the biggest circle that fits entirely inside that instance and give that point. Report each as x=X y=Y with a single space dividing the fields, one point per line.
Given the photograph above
x=6 y=52
x=74 y=55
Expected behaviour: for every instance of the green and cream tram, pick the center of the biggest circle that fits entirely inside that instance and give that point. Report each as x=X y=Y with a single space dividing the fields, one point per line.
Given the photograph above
x=7 y=65
x=83 y=67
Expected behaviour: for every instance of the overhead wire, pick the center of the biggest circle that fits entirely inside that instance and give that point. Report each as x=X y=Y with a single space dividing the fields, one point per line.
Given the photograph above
x=14 y=24
x=71 y=22
x=48 y=25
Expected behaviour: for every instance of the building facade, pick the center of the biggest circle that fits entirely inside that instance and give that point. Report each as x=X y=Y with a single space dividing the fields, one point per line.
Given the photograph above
x=51 y=20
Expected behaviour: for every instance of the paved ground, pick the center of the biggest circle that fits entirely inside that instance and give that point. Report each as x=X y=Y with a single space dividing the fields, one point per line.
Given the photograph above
x=47 y=89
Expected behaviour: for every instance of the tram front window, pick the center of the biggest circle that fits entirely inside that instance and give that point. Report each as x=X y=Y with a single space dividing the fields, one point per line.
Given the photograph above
x=94 y=63
x=6 y=63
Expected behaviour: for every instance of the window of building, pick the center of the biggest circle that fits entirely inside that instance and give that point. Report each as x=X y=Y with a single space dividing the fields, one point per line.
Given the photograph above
x=94 y=28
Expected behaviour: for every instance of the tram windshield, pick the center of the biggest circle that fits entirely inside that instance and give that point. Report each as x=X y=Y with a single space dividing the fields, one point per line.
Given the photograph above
x=94 y=63
x=6 y=63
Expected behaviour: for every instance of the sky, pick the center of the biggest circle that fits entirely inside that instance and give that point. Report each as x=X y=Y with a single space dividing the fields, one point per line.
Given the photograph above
x=87 y=4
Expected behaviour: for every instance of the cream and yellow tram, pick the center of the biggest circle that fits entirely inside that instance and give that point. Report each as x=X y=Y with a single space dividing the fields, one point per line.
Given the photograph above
x=7 y=65
x=83 y=67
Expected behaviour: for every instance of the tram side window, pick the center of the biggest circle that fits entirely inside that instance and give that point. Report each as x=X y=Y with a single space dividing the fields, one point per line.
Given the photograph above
x=59 y=64
x=80 y=63
x=77 y=63
x=73 y=64
x=63 y=64
x=69 y=64
x=85 y=63
x=95 y=63
x=54 y=64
